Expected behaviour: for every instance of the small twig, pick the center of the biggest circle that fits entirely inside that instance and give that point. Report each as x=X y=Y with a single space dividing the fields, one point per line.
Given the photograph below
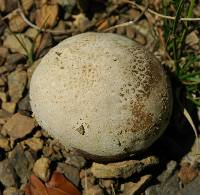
x=120 y=25
x=146 y=9
x=130 y=22
x=158 y=14
x=20 y=11
x=11 y=14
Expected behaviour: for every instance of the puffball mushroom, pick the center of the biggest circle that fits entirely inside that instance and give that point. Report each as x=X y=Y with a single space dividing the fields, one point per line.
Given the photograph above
x=101 y=94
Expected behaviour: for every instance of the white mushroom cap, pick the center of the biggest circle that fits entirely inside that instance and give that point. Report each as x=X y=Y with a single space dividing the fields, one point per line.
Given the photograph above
x=102 y=94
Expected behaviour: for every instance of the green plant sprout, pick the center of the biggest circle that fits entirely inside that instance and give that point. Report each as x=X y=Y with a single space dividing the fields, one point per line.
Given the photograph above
x=175 y=33
x=30 y=53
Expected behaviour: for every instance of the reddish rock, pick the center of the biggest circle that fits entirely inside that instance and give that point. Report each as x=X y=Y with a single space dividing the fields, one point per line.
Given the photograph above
x=187 y=173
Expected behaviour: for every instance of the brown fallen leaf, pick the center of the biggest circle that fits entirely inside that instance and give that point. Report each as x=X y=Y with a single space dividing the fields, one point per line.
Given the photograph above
x=55 y=191
x=60 y=182
x=58 y=185
x=35 y=187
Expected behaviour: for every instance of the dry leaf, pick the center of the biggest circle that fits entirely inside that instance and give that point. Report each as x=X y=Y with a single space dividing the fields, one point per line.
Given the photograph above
x=60 y=182
x=55 y=191
x=35 y=187
x=58 y=185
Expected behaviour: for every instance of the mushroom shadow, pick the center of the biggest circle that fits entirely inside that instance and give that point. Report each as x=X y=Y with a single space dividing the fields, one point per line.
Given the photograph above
x=179 y=137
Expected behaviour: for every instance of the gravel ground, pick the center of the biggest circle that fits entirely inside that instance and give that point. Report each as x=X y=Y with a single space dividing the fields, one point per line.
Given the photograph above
x=168 y=167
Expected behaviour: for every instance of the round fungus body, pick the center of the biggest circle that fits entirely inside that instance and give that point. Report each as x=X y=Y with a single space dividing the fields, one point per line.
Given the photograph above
x=101 y=94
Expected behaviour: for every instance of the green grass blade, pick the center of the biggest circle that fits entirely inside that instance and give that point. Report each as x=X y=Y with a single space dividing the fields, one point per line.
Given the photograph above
x=174 y=31
x=197 y=73
x=190 y=11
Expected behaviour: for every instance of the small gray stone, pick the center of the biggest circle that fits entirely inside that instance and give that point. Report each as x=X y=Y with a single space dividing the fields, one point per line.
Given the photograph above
x=75 y=160
x=24 y=104
x=153 y=190
x=16 y=84
x=8 y=176
x=16 y=58
x=171 y=187
x=171 y=166
x=21 y=164
x=192 y=188
x=70 y=172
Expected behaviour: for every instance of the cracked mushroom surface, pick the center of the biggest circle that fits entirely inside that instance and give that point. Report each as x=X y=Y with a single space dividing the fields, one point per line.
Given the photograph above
x=101 y=94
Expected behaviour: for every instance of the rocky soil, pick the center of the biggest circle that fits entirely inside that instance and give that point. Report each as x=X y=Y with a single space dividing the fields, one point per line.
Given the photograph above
x=29 y=156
